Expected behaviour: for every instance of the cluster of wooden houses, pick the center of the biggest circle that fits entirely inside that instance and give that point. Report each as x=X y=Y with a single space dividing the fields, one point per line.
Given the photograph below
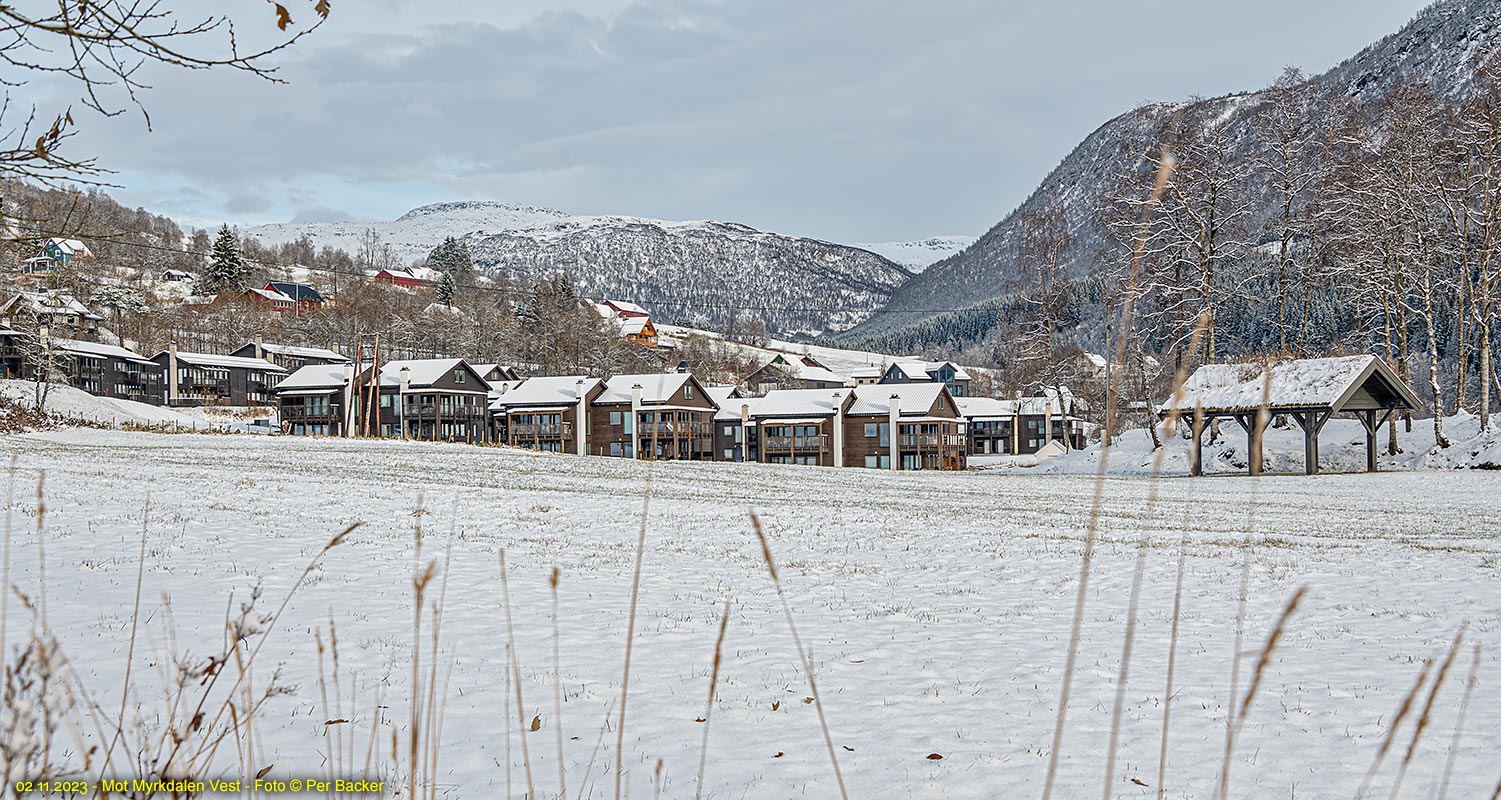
x=907 y=415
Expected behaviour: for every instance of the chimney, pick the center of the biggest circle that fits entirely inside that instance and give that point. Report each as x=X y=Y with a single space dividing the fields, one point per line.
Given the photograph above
x=580 y=419
x=636 y=421
x=260 y=350
x=401 y=397
x=172 y=386
x=838 y=429
x=745 y=431
x=895 y=436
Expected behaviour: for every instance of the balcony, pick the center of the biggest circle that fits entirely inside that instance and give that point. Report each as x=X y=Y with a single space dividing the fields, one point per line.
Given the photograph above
x=448 y=413
x=561 y=430
x=683 y=430
x=801 y=444
x=925 y=441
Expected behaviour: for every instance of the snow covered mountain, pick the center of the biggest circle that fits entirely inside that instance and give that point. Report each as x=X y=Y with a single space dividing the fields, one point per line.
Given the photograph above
x=701 y=272
x=918 y=256
x=687 y=272
x=1441 y=47
x=416 y=232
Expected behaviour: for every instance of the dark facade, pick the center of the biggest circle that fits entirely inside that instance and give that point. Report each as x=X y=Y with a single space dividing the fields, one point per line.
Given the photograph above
x=945 y=372
x=289 y=357
x=206 y=379
x=109 y=371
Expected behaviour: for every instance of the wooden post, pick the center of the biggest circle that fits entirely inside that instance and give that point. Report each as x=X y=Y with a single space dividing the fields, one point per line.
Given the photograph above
x=1196 y=450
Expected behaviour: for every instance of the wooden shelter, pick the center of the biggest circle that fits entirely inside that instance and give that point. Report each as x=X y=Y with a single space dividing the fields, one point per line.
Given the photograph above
x=1310 y=391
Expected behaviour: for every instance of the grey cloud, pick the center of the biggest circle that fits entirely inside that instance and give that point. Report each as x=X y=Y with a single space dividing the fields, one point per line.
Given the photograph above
x=859 y=120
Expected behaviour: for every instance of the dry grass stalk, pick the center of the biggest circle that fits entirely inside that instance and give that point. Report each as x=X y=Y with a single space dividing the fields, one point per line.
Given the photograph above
x=1403 y=709
x=515 y=667
x=10 y=499
x=557 y=686
x=703 y=752
x=1125 y=670
x=1127 y=313
x=1265 y=659
x=802 y=653
x=135 y=616
x=1222 y=789
x=1172 y=664
x=1426 y=716
x=630 y=635
x=1459 y=724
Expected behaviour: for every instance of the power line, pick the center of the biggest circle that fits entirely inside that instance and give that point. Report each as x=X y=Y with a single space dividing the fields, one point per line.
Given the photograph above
x=658 y=302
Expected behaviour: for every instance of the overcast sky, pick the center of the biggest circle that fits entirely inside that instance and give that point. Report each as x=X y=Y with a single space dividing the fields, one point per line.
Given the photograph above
x=849 y=120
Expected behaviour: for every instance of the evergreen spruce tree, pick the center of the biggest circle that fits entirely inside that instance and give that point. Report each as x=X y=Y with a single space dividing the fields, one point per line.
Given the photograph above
x=446 y=289
x=226 y=270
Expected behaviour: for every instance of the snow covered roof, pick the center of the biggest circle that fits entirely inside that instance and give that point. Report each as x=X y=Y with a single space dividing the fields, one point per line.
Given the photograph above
x=800 y=402
x=985 y=407
x=634 y=326
x=231 y=362
x=51 y=302
x=875 y=398
x=625 y=306
x=867 y=372
x=313 y=376
x=299 y=351
x=729 y=409
x=559 y=390
x=271 y=295
x=96 y=350
x=1303 y=383
x=69 y=247
x=420 y=372
x=926 y=370
x=655 y=388
x=720 y=394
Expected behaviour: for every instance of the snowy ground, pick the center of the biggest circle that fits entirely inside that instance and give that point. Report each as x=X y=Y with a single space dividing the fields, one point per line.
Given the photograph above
x=1341 y=449
x=937 y=608
x=69 y=403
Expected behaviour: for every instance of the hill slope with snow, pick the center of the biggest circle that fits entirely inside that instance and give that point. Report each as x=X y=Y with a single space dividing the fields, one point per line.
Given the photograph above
x=691 y=272
x=1442 y=47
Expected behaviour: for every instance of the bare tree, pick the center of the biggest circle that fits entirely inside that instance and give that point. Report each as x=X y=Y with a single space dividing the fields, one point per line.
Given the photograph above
x=101 y=46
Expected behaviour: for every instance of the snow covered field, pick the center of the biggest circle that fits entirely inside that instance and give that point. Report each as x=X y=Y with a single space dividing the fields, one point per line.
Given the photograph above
x=937 y=609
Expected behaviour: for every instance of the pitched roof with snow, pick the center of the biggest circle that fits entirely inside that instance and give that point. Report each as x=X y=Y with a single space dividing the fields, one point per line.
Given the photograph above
x=314 y=376
x=96 y=350
x=51 y=302
x=557 y=390
x=655 y=388
x=299 y=351
x=800 y=403
x=230 y=362
x=1303 y=383
x=719 y=394
x=420 y=372
x=626 y=306
x=875 y=398
x=729 y=409
x=985 y=407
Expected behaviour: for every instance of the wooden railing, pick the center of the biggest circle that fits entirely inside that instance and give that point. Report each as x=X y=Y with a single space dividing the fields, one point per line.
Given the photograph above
x=818 y=443
x=558 y=430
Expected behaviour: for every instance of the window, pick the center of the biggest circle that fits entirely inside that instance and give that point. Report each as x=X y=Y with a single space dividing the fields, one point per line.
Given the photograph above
x=911 y=461
x=615 y=418
x=729 y=430
x=729 y=454
x=458 y=376
x=385 y=401
x=878 y=462
x=617 y=449
x=688 y=391
x=872 y=430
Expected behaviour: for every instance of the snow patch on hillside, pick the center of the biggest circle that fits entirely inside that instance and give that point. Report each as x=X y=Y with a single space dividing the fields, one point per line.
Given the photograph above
x=919 y=255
